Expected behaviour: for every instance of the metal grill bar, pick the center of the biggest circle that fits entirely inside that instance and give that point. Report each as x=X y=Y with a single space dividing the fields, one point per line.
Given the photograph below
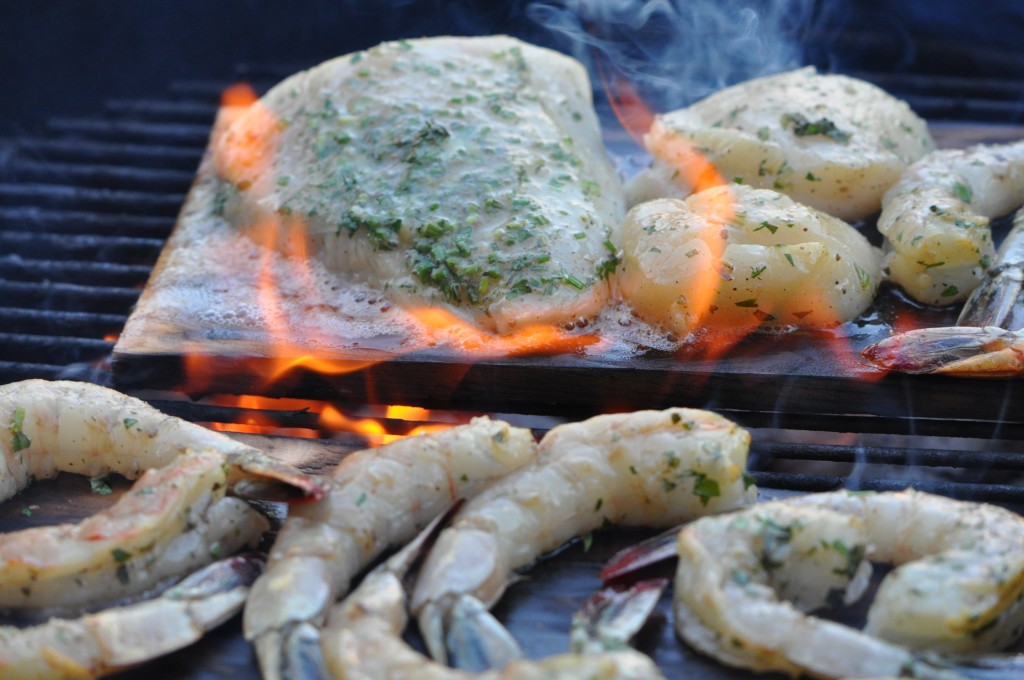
x=16 y=268
x=53 y=349
x=81 y=247
x=896 y=456
x=810 y=483
x=99 y=175
x=177 y=134
x=91 y=151
x=67 y=296
x=98 y=200
x=199 y=112
x=55 y=322
x=79 y=222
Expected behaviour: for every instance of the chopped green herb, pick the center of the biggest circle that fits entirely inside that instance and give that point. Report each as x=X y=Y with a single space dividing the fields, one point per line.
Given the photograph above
x=863 y=277
x=748 y=480
x=19 y=440
x=588 y=540
x=598 y=504
x=705 y=488
x=747 y=303
x=362 y=499
x=963 y=192
x=120 y=555
x=802 y=127
x=767 y=225
x=27 y=512
x=757 y=271
x=789 y=258
x=950 y=291
x=128 y=422
x=99 y=486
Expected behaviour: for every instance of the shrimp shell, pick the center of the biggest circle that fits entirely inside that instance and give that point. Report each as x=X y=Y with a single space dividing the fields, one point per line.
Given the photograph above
x=363 y=640
x=175 y=518
x=647 y=468
x=958 y=587
x=98 y=644
x=936 y=219
x=379 y=498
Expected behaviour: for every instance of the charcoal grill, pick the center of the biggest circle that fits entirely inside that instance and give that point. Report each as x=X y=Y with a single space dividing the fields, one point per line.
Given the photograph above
x=88 y=196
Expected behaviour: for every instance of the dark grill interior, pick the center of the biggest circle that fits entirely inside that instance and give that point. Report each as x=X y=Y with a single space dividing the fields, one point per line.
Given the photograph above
x=86 y=202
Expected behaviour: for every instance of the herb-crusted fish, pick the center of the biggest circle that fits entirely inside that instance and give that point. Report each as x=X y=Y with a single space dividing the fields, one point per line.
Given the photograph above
x=461 y=171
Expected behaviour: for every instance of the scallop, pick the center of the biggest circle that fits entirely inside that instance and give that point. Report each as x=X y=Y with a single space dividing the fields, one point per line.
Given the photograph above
x=736 y=258
x=829 y=141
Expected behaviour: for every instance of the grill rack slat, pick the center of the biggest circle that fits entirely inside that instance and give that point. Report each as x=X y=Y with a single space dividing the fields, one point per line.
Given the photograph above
x=84 y=198
x=82 y=247
x=87 y=223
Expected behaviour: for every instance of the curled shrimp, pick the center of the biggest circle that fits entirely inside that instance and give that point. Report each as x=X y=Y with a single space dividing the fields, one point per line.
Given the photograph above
x=175 y=519
x=935 y=219
x=117 y=638
x=648 y=468
x=988 y=338
x=958 y=586
x=379 y=498
x=363 y=639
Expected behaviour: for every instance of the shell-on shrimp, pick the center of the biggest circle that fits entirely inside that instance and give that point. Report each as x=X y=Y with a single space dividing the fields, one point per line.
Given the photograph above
x=648 y=468
x=175 y=519
x=117 y=638
x=958 y=586
x=379 y=498
x=363 y=640
x=988 y=339
x=935 y=219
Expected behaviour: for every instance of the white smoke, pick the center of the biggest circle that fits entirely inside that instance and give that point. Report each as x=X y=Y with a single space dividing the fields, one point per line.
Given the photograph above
x=678 y=51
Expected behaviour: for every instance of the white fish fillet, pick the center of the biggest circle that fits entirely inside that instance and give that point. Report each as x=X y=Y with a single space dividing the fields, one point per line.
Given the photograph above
x=466 y=172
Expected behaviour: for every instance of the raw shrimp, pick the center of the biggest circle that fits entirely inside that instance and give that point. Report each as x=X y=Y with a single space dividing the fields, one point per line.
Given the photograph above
x=831 y=142
x=379 y=498
x=957 y=587
x=733 y=258
x=363 y=640
x=988 y=340
x=648 y=468
x=936 y=219
x=176 y=518
x=117 y=638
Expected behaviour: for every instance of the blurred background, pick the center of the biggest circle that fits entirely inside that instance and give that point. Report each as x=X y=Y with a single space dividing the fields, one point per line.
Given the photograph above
x=63 y=57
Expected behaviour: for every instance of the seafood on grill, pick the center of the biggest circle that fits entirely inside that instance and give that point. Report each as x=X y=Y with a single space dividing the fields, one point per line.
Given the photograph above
x=175 y=518
x=936 y=219
x=988 y=338
x=379 y=498
x=831 y=142
x=466 y=173
x=733 y=258
x=647 y=468
x=363 y=639
x=114 y=639
x=746 y=579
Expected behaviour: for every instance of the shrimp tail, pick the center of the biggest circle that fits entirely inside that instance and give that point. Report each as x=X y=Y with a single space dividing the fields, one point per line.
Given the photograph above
x=646 y=553
x=998 y=301
x=610 y=618
x=475 y=640
x=990 y=666
x=304 y=658
x=988 y=352
x=257 y=475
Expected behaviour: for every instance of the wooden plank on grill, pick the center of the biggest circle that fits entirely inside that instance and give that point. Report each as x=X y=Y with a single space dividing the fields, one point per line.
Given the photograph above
x=186 y=333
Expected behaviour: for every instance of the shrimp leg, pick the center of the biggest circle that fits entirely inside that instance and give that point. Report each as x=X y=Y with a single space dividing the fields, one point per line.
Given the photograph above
x=648 y=468
x=379 y=498
x=987 y=340
x=115 y=639
x=363 y=639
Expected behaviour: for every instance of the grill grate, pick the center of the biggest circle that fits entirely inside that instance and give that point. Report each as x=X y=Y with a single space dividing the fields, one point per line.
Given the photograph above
x=86 y=206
